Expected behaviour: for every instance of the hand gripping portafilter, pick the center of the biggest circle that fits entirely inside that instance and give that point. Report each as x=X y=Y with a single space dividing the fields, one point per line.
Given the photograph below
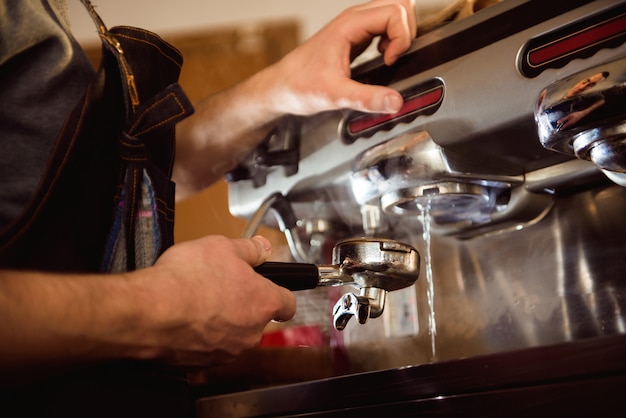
x=374 y=266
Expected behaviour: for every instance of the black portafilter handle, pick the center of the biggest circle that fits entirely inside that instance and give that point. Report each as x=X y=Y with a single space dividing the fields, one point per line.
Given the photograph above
x=293 y=276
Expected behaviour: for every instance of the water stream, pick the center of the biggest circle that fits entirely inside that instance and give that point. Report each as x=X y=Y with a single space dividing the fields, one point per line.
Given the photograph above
x=430 y=292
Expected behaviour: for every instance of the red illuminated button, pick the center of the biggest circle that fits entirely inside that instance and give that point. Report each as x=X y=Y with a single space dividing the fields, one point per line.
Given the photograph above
x=424 y=99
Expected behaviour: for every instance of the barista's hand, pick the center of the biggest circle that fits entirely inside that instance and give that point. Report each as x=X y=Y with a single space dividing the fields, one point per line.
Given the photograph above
x=315 y=76
x=200 y=303
x=211 y=304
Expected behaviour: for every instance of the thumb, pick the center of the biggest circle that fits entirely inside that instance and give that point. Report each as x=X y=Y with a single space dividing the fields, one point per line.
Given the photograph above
x=370 y=98
x=253 y=251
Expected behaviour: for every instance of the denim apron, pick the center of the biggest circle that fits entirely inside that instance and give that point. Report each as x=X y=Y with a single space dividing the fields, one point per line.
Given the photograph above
x=106 y=204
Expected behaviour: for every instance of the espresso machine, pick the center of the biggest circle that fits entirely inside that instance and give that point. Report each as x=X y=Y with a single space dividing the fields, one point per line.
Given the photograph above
x=505 y=174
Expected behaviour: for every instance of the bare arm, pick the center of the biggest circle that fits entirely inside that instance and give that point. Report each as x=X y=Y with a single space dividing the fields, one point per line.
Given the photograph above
x=314 y=77
x=183 y=311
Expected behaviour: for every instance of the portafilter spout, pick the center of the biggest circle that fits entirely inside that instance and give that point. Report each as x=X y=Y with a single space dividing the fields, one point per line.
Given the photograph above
x=374 y=266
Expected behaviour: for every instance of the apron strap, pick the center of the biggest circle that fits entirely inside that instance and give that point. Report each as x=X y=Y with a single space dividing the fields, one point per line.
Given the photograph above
x=106 y=201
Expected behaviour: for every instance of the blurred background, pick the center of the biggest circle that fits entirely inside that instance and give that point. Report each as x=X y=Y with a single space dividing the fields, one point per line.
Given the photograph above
x=183 y=16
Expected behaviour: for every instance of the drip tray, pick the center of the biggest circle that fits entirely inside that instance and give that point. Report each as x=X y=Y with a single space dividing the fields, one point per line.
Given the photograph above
x=586 y=378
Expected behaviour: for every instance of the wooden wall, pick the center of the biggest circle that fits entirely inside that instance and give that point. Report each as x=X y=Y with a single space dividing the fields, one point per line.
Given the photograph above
x=214 y=60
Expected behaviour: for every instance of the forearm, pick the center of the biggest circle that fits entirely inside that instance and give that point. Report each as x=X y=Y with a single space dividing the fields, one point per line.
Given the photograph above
x=222 y=131
x=67 y=320
x=200 y=303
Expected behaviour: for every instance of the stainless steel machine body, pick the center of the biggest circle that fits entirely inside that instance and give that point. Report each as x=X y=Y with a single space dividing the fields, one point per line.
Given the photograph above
x=527 y=242
x=504 y=170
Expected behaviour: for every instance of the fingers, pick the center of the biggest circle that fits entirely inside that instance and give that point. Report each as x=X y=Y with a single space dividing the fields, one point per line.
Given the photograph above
x=287 y=306
x=216 y=301
x=407 y=5
x=253 y=251
x=395 y=21
x=316 y=76
x=370 y=98
x=396 y=34
x=287 y=301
